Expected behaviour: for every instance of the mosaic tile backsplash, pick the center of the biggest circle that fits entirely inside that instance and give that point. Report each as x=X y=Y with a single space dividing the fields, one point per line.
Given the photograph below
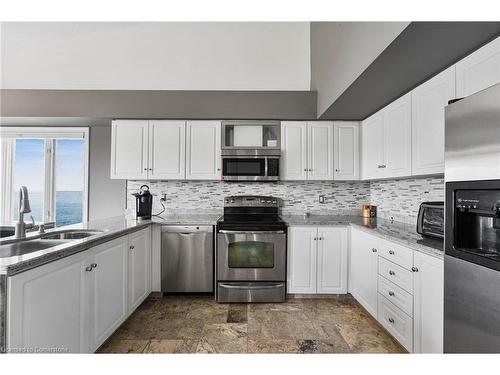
x=399 y=199
x=297 y=197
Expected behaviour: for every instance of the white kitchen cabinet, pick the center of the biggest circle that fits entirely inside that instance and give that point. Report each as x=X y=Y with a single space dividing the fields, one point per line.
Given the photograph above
x=428 y=304
x=397 y=138
x=167 y=149
x=293 y=161
x=302 y=260
x=129 y=149
x=320 y=150
x=108 y=289
x=332 y=260
x=372 y=146
x=307 y=150
x=346 y=150
x=139 y=267
x=363 y=270
x=427 y=106
x=47 y=307
x=203 y=160
x=317 y=260
x=479 y=70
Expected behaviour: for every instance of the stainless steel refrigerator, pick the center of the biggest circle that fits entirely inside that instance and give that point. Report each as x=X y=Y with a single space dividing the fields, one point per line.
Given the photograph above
x=472 y=224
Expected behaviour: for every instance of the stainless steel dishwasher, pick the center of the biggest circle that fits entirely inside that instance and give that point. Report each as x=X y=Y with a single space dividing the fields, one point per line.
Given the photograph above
x=187 y=259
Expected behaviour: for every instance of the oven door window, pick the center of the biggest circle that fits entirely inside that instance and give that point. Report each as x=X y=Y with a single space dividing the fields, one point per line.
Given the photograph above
x=244 y=166
x=251 y=254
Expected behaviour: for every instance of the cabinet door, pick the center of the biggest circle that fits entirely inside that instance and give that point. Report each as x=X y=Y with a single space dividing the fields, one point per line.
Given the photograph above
x=293 y=161
x=203 y=160
x=372 y=146
x=332 y=260
x=129 y=149
x=139 y=273
x=167 y=149
x=48 y=307
x=428 y=304
x=320 y=150
x=363 y=270
x=109 y=289
x=397 y=138
x=302 y=260
x=346 y=150
x=427 y=107
x=479 y=70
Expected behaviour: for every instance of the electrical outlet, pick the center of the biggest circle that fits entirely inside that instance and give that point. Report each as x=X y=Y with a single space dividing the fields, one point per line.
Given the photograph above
x=322 y=199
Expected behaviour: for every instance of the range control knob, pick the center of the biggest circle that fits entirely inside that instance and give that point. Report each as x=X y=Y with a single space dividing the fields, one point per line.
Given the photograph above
x=232 y=200
x=274 y=202
x=262 y=201
x=268 y=202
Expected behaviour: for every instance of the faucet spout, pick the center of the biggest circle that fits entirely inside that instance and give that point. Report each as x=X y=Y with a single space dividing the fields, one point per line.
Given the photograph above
x=24 y=208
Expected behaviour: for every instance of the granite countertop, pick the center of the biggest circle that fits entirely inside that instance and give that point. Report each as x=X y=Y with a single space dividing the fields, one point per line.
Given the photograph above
x=402 y=233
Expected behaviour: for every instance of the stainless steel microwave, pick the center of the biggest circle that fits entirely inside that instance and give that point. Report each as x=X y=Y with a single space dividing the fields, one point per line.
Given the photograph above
x=250 y=167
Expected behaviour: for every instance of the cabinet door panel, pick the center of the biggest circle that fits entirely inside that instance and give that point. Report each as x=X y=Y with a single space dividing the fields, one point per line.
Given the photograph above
x=139 y=267
x=203 y=160
x=320 y=150
x=302 y=260
x=428 y=102
x=428 y=304
x=129 y=149
x=48 y=307
x=479 y=70
x=372 y=146
x=346 y=150
x=109 y=289
x=293 y=161
x=167 y=152
x=332 y=260
x=397 y=138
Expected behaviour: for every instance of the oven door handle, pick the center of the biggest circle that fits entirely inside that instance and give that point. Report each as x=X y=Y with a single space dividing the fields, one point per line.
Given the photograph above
x=252 y=232
x=265 y=286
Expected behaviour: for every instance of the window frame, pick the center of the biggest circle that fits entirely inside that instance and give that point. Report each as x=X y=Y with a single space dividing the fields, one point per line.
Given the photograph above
x=8 y=136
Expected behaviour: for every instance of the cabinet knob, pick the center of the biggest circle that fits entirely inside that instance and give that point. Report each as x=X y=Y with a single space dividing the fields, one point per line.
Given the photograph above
x=88 y=269
x=391 y=252
x=391 y=320
x=414 y=269
x=145 y=169
x=94 y=265
x=305 y=169
x=392 y=273
x=310 y=170
x=374 y=250
x=337 y=170
x=218 y=169
x=391 y=293
x=132 y=247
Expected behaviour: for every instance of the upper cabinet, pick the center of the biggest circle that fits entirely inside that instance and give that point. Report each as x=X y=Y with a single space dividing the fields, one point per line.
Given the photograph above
x=386 y=141
x=165 y=150
x=306 y=150
x=479 y=70
x=346 y=150
x=428 y=103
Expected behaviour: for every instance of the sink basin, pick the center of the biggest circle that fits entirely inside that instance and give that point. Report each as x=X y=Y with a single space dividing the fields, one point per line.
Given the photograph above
x=26 y=247
x=70 y=234
x=6 y=231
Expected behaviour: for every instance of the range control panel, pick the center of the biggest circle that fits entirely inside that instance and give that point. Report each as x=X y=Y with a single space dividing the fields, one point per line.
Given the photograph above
x=251 y=201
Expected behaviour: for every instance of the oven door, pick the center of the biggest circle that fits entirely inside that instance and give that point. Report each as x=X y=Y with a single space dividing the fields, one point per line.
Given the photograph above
x=251 y=256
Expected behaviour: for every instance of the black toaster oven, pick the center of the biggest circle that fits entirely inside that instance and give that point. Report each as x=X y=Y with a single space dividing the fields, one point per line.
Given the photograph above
x=430 y=222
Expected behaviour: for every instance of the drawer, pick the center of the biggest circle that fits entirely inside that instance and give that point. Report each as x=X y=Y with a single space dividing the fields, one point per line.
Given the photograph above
x=398 y=296
x=396 y=274
x=398 y=254
x=396 y=322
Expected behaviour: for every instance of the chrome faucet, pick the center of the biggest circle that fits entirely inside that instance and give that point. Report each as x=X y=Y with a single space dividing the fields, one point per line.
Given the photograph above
x=24 y=208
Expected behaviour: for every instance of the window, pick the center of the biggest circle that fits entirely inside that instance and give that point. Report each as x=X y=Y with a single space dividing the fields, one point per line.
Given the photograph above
x=52 y=163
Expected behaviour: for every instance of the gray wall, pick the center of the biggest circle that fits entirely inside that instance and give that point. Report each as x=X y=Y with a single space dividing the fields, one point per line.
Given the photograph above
x=341 y=51
x=106 y=196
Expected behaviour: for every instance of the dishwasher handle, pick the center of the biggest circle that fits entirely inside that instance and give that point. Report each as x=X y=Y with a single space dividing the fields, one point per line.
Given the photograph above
x=187 y=229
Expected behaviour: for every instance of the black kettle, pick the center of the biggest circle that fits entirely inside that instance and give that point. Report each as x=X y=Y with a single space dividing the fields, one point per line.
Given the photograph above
x=143 y=203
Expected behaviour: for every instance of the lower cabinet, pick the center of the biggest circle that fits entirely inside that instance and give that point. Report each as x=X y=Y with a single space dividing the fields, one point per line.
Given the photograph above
x=317 y=260
x=74 y=304
x=364 y=270
x=139 y=268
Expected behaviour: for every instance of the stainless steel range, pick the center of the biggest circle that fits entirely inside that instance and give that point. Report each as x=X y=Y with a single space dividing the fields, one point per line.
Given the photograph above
x=251 y=251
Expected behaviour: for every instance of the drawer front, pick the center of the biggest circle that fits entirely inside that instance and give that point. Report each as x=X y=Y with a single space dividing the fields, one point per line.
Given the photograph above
x=396 y=322
x=396 y=274
x=398 y=254
x=398 y=296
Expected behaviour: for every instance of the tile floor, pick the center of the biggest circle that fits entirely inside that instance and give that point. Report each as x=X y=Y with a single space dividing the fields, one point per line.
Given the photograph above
x=197 y=324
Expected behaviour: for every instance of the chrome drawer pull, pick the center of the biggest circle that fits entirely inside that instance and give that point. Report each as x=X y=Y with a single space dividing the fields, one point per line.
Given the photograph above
x=374 y=250
x=391 y=320
x=414 y=269
x=391 y=252
x=88 y=269
x=392 y=273
x=391 y=293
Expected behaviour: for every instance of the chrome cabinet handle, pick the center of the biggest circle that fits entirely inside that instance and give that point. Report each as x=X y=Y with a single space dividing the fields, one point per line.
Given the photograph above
x=252 y=232
x=132 y=247
x=374 y=250
x=310 y=170
x=263 y=286
x=337 y=170
x=88 y=269
x=391 y=252
x=392 y=273
x=305 y=170
x=315 y=238
x=391 y=320
x=145 y=169
x=391 y=293
x=94 y=265
x=414 y=269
